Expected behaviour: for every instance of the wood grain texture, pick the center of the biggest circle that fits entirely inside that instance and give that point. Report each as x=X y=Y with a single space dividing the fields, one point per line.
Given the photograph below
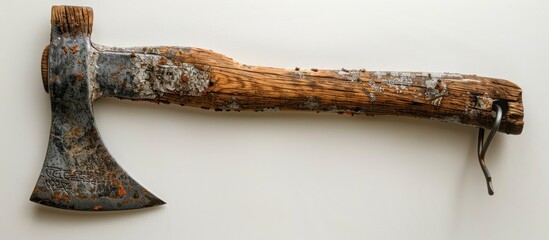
x=464 y=99
x=72 y=19
x=44 y=67
x=211 y=80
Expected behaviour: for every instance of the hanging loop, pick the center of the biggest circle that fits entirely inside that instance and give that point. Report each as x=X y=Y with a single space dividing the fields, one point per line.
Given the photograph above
x=483 y=146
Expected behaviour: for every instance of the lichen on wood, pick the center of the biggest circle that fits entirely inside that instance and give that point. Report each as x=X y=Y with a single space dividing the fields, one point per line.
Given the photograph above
x=459 y=98
x=202 y=78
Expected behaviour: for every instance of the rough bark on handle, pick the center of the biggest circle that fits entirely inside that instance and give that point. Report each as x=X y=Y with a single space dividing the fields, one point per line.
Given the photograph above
x=202 y=78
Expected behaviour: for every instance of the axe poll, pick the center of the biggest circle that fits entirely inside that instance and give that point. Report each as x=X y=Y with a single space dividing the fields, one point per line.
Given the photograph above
x=80 y=174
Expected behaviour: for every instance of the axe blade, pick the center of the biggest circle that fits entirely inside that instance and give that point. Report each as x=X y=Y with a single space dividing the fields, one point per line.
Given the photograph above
x=78 y=172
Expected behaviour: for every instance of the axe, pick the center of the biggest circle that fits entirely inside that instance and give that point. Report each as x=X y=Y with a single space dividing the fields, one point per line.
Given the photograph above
x=80 y=174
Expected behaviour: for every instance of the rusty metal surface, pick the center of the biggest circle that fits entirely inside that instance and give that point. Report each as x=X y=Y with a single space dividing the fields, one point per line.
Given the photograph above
x=78 y=172
x=132 y=73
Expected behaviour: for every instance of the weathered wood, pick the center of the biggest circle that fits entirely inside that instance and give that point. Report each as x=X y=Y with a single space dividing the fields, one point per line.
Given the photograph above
x=44 y=67
x=465 y=99
x=72 y=19
x=224 y=84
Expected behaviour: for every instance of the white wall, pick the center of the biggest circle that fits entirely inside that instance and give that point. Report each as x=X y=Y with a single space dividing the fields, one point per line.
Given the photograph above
x=293 y=175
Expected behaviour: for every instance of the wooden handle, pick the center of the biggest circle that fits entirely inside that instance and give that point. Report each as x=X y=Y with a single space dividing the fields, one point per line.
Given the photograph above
x=44 y=67
x=210 y=80
x=72 y=19
x=465 y=99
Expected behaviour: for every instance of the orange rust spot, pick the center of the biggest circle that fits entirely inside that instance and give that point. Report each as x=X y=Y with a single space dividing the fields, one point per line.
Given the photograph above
x=65 y=49
x=97 y=207
x=79 y=76
x=121 y=190
x=144 y=191
x=74 y=48
x=60 y=196
x=36 y=190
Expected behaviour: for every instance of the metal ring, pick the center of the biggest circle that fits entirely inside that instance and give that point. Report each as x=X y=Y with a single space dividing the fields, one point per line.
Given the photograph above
x=483 y=146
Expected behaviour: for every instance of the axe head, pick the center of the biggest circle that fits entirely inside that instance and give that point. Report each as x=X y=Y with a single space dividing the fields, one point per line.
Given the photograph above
x=78 y=172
